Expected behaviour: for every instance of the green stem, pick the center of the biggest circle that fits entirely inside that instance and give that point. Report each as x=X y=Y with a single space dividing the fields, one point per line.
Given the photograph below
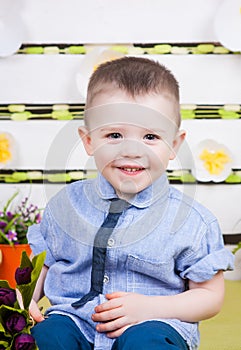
x=10 y=223
x=9 y=202
x=5 y=238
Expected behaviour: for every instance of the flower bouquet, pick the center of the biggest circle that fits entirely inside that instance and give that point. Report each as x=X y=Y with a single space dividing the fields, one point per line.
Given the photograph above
x=15 y=321
x=14 y=224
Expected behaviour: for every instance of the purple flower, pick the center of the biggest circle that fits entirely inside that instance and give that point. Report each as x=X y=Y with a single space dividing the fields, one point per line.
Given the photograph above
x=3 y=224
x=24 y=341
x=7 y=296
x=38 y=218
x=9 y=215
x=12 y=236
x=15 y=322
x=23 y=275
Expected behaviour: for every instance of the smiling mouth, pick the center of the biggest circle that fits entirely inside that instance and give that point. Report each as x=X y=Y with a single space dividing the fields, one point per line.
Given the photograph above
x=131 y=170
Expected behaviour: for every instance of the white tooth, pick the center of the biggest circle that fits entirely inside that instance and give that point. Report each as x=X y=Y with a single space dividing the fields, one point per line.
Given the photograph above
x=132 y=169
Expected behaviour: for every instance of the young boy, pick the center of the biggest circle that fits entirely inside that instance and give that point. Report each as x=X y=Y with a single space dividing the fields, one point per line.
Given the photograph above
x=160 y=264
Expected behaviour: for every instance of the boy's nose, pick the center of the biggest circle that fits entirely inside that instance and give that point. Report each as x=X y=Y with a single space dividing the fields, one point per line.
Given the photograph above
x=131 y=148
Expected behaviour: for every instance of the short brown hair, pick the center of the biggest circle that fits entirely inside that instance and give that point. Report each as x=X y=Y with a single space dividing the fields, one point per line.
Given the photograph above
x=136 y=76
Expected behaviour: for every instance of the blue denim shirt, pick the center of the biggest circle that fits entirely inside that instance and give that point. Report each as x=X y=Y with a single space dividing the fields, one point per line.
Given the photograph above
x=162 y=240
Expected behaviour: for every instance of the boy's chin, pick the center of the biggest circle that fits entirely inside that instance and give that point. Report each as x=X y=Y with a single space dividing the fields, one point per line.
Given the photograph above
x=129 y=189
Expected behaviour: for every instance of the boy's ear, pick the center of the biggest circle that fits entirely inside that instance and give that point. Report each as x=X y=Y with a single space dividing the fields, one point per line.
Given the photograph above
x=180 y=136
x=86 y=139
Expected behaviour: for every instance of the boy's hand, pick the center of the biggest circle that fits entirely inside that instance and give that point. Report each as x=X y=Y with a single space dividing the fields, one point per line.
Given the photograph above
x=35 y=312
x=121 y=311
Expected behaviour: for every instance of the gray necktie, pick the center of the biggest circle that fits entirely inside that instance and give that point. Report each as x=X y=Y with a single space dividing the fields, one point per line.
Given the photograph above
x=99 y=251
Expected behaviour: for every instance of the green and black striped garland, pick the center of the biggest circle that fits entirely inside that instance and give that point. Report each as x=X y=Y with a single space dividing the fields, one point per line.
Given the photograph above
x=131 y=49
x=61 y=176
x=23 y=112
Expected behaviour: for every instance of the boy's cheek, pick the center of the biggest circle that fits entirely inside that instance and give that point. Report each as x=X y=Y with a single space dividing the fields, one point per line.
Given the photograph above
x=103 y=160
x=106 y=151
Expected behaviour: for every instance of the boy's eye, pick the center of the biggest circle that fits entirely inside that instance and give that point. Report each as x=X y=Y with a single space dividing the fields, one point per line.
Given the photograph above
x=151 y=137
x=114 y=135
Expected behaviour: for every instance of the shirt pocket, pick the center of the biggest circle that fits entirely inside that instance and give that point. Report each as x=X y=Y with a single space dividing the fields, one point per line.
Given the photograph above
x=148 y=277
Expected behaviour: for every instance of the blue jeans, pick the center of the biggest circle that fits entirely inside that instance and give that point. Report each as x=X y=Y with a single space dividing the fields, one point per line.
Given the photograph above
x=60 y=332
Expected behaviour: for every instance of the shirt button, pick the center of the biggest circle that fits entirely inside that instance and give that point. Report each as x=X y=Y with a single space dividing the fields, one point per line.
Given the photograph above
x=106 y=279
x=111 y=242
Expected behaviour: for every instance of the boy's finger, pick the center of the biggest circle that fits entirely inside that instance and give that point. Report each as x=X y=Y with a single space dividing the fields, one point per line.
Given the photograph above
x=109 y=305
x=117 y=333
x=35 y=312
x=115 y=295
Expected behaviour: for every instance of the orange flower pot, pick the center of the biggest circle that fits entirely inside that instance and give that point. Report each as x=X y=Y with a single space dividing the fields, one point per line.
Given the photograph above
x=10 y=258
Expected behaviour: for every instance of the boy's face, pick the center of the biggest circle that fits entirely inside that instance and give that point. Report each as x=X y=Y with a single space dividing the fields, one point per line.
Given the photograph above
x=131 y=139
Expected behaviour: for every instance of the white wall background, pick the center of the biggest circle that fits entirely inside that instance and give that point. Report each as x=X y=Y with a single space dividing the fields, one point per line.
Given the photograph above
x=127 y=21
x=49 y=79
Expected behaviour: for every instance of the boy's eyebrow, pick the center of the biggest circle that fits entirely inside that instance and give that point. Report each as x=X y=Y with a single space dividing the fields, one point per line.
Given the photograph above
x=157 y=130
x=112 y=127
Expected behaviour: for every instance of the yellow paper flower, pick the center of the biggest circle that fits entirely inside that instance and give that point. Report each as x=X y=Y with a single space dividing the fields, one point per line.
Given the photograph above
x=5 y=148
x=214 y=161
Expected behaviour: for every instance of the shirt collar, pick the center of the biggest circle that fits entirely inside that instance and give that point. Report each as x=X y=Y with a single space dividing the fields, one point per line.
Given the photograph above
x=156 y=191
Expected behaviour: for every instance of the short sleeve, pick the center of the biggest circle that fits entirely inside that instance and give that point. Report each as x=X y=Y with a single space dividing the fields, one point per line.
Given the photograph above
x=208 y=257
x=37 y=238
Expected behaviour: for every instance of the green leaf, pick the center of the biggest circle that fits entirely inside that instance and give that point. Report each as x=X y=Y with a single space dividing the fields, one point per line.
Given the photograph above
x=11 y=225
x=37 y=263
x=10 y=201
x=237 y=248
x=3 y=343
x=4 y=284
x=25 y=261
x=4 y=239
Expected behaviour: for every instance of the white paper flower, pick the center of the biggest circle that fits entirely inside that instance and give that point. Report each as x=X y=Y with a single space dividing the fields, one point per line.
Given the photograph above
x=227 y=24
x=11 y=27
x=212 y=161
x=90 y=62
